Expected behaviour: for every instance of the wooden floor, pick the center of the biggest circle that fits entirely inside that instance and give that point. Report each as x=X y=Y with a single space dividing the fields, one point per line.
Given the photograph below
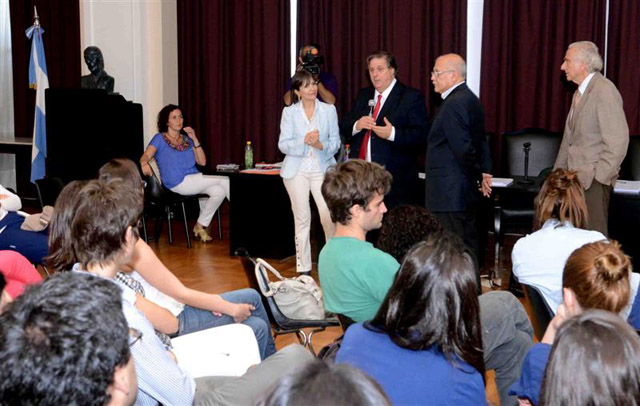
x=209 y=268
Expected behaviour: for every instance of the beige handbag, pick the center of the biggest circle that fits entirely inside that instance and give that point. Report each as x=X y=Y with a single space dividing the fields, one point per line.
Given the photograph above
x=298 y=298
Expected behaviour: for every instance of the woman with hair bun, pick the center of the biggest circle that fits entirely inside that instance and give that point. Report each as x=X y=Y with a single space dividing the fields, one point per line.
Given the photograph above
x=560 y=221
x=596 y=276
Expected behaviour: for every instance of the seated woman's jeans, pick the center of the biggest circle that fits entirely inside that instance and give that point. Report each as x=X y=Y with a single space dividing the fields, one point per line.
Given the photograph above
x=192 y=319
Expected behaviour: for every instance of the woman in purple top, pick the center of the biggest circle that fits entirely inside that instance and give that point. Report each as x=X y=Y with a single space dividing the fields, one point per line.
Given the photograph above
x=596 y=276
x=177 y=151
x=424 y=346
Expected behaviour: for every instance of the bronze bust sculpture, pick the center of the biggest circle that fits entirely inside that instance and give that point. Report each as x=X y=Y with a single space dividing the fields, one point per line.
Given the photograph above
x=98 y=79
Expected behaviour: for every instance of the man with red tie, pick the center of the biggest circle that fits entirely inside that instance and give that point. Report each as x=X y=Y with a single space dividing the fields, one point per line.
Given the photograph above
x=388 y=125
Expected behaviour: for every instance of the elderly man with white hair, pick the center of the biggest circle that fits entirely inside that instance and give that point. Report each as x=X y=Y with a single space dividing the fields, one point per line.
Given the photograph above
x=596 y=134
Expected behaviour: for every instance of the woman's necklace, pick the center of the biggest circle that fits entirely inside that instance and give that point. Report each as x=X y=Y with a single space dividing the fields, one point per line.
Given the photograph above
x=179 y=143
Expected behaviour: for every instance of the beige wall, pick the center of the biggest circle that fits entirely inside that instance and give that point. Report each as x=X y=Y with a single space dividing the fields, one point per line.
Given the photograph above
x=138 y=39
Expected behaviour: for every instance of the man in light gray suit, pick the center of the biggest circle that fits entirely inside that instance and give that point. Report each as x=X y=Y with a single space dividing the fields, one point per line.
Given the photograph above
x=596 y=134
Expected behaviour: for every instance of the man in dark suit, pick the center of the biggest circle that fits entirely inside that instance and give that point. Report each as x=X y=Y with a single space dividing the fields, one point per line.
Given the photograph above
x=458 y=159
x=388 y=125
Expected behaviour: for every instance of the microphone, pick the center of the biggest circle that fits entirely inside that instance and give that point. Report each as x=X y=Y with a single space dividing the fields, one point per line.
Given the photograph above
x=371 y=105
x=526 y=181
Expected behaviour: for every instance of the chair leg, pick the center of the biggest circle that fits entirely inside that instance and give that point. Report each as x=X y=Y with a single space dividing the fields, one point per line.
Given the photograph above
x=497 y=237
x=186 y=226
x=144 y=229
x=302 y=338
x=219 y=224
x=310 y=338
x=168 y=209
x=158 y=228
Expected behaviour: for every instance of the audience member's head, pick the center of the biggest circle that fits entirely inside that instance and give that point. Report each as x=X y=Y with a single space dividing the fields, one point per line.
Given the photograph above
x=66 y=342
x=403 y=227
x=121 y=168
x=322 y=384
x=596 y=276
x=433 y=301
x=61 y=256
x=93 y=223
x=163 y=117
x=561 y=197
x=354 y=183
x=595 y=360
x=105 y=221
x=301 y=79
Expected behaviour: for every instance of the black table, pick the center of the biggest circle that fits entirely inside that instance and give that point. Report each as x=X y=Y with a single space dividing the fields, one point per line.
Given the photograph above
x=260 y=216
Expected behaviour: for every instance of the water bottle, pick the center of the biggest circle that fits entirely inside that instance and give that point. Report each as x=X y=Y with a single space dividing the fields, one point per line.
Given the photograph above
x=347 y=151
x=248 y=156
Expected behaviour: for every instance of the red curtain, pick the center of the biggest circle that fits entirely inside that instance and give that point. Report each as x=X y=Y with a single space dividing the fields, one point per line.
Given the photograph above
x=415 y=31
x=233 y=63
x=61 y=22
x=523 y=44
x=624 y=57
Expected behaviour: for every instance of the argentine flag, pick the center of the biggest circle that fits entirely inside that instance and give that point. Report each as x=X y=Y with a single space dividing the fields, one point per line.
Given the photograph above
x=38 y=80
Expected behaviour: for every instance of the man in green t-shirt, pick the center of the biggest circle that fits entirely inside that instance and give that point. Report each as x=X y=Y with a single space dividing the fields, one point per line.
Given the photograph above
x=355 y=276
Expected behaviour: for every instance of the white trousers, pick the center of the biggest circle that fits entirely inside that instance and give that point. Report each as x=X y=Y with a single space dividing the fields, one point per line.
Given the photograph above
x=298 y=188
x=217 y=187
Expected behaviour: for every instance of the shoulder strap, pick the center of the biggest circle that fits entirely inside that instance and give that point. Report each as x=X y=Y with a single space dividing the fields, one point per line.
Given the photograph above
x=263 y=278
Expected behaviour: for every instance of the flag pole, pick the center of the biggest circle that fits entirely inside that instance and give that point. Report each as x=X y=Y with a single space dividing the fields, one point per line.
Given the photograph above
x=38 y=80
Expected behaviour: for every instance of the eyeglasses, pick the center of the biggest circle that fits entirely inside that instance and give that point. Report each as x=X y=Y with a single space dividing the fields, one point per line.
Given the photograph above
x=437 y=73
x=135 y=335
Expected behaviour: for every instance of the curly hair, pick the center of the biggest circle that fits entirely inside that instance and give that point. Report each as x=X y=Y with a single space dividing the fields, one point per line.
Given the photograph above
x=403 y=227
x=163 y=116
x=61 y=341
x=561 y=197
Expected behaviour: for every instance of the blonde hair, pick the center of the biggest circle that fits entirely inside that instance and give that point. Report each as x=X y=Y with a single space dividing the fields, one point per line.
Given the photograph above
x=562 y=197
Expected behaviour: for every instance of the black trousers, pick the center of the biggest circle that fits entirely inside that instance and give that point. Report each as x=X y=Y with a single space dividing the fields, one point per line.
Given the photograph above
x=463 y=224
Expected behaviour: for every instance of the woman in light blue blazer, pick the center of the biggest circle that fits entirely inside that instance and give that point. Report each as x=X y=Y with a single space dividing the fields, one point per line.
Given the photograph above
x=309 y=137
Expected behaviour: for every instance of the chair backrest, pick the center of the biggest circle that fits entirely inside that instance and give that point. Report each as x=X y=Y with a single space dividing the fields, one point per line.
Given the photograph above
x=544 y=150
x=248 y=265
x=541 y=311
x=48 y=190
x=633 y=155
x=345 y=321
x=153 y=191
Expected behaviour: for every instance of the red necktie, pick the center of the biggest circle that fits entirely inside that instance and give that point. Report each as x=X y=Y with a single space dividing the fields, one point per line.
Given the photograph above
x=365 y=141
